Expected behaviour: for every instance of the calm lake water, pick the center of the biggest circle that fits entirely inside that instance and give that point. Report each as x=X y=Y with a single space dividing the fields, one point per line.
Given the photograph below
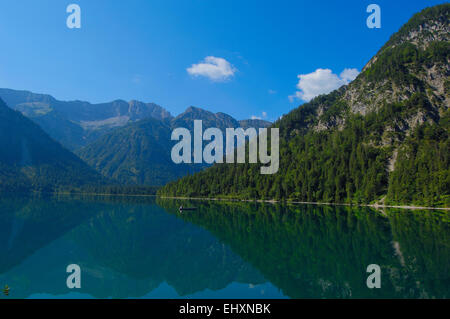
x=137 y=247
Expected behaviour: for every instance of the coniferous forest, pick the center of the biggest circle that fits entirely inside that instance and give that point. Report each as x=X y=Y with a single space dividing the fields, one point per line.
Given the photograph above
x=384 y=138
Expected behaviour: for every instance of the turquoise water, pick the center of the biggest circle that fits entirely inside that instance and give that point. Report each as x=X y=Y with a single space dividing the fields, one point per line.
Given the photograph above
x=142 y=247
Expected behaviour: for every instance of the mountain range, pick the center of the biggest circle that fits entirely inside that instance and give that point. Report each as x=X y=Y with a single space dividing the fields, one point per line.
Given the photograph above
x=140 y=153
x=76 y=123
x=384 y=138
x=127 y=142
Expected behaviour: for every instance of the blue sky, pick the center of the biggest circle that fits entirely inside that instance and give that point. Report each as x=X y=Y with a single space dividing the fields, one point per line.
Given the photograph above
x=155 y=51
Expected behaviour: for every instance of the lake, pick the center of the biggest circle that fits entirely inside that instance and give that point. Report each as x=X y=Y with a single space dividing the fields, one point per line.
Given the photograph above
x=143 y=247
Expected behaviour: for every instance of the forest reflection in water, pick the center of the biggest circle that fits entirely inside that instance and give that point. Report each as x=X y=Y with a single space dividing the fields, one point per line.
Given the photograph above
x=143 y=247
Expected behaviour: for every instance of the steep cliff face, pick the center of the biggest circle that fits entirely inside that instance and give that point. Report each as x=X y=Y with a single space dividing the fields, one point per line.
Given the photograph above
x=414 y=60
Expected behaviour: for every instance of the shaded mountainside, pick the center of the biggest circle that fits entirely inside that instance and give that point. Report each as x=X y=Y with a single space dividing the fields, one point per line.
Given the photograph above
x=31 y=160
x=140 y=153
x=77 y=123
x=384 y=137
x=137 y=154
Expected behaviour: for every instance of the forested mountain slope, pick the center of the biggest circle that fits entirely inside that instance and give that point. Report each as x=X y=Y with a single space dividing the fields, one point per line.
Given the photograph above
x=384 y=137
x=140 y=153
x=137 y=154
x=31 y=160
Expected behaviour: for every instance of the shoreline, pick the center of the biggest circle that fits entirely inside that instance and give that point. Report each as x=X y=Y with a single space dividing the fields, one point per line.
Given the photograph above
x=269 y=201
x=376 y=206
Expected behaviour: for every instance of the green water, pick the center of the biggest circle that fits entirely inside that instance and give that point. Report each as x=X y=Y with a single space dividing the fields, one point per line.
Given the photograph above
x=134 y=247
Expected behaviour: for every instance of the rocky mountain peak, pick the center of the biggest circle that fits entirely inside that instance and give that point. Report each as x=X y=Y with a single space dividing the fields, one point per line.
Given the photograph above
x=425 y=27
x=414 y=61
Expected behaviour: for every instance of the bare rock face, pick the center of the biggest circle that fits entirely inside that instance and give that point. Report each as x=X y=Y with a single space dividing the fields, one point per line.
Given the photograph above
x=428 y=26
x=434 y=30
x=368 y=93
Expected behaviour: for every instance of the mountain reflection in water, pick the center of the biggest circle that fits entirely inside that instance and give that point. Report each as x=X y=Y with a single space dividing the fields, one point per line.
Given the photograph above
x=142 y=247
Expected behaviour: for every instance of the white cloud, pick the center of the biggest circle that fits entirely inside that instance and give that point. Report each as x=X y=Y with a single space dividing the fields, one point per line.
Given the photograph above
x=321 y=81
x=216 y=69
x=272 y=91
x=263 y=116
x=349 y=75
